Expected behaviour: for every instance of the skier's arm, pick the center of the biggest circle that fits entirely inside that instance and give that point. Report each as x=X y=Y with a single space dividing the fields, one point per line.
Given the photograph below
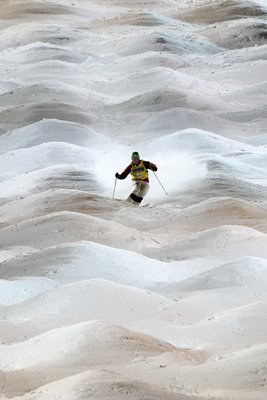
x=150 y=165
x=124 y=174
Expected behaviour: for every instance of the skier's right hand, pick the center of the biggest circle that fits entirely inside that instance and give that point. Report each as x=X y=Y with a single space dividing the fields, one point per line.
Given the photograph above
x=117 y=175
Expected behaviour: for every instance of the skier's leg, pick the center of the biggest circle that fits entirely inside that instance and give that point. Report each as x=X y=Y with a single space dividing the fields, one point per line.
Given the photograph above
x=131 y=199
x=134 y=197
x=140 y=190
x=143 y=189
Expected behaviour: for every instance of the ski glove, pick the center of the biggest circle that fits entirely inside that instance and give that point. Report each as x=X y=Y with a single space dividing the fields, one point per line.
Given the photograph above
x=117 y=175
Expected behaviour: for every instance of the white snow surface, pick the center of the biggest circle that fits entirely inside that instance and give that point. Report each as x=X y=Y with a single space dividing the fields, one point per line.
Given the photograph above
x=101 y=299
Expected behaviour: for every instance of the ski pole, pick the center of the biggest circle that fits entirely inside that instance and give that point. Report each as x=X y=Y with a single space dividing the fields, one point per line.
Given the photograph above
x=114 y=188
x=160 y=182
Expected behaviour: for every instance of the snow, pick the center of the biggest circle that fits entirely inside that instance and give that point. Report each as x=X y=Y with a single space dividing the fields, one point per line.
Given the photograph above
x=101 y=299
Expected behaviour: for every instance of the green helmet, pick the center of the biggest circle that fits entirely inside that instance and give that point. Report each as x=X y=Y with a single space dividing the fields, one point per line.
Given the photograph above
x=135 y=154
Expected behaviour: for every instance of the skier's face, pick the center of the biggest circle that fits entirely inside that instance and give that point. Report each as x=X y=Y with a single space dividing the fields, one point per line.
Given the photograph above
x=136 y=161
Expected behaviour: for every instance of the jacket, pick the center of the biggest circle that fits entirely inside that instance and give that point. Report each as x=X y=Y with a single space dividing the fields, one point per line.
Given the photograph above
x=139 y=172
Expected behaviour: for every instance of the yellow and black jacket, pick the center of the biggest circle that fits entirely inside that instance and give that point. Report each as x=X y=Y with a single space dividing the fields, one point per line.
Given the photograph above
x=139 y=172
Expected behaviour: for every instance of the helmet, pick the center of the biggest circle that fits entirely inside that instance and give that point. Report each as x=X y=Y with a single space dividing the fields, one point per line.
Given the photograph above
x=135 y=154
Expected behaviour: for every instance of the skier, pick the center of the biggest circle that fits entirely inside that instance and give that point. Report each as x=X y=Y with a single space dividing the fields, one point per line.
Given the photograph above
x=139 y=171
